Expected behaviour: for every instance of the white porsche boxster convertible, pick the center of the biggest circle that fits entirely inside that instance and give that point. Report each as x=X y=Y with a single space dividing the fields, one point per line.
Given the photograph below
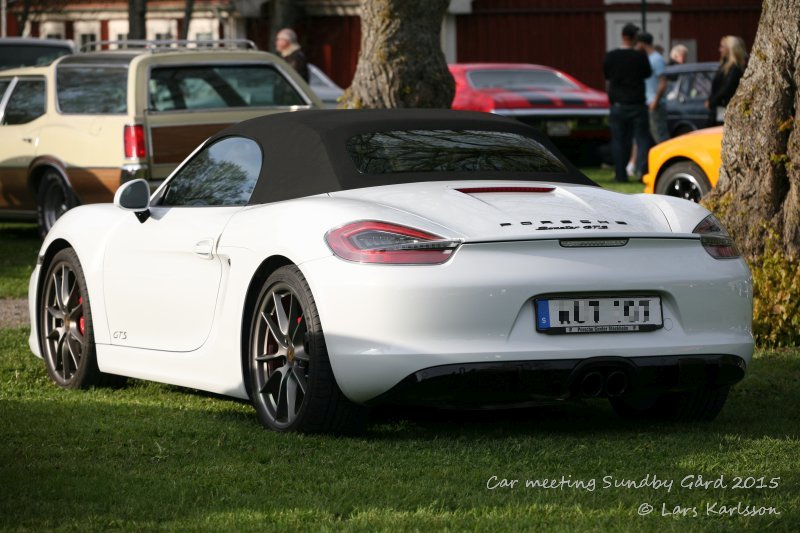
x=319 y=262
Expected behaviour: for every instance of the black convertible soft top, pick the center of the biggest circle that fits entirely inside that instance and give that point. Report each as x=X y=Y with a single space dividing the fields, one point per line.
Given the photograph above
x=305 y=152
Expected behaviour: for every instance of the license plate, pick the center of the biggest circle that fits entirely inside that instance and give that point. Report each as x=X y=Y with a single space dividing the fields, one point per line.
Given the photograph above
x=598 y=315
x=558 y=129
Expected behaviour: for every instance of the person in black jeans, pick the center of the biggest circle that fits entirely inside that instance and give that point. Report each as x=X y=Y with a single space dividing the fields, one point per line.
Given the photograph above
x=625 y=70
x=732 y=62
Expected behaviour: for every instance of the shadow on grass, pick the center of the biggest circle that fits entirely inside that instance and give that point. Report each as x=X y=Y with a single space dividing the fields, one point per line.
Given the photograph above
x=150 y=455
x=765 y=404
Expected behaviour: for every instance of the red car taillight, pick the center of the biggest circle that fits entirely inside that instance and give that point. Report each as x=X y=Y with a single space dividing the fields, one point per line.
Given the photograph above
x=370 y=241
x=134 y=142
x=715 y=239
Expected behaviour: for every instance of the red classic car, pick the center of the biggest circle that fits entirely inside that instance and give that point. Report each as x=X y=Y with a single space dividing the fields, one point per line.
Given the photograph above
x=544 y=97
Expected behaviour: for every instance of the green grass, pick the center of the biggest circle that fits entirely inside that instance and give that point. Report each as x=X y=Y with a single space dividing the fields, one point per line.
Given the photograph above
x=605 y=178
x=151 y=456
x=19 y=244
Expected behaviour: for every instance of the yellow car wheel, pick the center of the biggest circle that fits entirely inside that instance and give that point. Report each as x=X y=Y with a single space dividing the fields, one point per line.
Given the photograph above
x=683 y=180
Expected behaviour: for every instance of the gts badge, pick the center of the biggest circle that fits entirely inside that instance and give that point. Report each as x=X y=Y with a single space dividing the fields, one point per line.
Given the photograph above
x=121 y=335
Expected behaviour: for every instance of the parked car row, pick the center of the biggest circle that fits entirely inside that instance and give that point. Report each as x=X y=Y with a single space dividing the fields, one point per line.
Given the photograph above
x=72 y=131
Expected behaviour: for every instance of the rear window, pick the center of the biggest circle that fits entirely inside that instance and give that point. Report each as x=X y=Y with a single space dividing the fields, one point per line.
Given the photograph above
x=450 y=151
x=220 y=86
x=92 y=90
x=512 y=79
x=26 y=55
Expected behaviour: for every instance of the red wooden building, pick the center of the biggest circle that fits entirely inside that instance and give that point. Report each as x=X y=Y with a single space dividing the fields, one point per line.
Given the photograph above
x=572 y=35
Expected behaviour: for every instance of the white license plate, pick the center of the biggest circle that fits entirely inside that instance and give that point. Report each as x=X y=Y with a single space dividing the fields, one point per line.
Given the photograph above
x=598 y=315
x=558 y=129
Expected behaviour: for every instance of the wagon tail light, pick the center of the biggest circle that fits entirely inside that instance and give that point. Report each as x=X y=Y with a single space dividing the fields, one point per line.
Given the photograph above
x=134 y=142
x=715 y=239
x=370 y=241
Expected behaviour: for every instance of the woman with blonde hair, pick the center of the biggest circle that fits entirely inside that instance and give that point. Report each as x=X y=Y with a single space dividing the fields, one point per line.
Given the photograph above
x=732 y=62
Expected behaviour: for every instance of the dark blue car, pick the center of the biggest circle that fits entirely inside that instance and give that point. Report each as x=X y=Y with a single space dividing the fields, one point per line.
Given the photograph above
x=687 y=90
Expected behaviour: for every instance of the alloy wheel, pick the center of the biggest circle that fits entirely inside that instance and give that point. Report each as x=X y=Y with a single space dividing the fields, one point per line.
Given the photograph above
x=683 y=185
x=280 y=354
x=63 y=323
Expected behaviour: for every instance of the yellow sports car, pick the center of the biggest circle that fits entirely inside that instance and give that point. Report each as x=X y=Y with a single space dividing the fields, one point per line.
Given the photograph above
x=686 y=166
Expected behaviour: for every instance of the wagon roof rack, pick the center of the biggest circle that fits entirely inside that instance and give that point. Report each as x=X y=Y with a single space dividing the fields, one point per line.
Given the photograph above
x=170 y=45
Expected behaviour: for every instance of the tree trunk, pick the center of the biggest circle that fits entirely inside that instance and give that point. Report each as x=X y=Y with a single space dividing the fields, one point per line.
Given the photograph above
x=401 y=63
x=759 y=185
x=22 y=18
x=137 y=11
x=188 y=9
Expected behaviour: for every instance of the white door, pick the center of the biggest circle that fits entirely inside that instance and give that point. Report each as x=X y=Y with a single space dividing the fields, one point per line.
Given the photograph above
x=657 y=25
x=162 y=277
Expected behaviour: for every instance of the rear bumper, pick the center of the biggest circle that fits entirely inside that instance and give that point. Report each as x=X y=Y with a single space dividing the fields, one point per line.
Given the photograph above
x=383 y=323
x=530 y=382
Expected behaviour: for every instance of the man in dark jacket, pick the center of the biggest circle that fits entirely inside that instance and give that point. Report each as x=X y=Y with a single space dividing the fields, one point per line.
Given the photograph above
x=625 y=70
x=287 y=46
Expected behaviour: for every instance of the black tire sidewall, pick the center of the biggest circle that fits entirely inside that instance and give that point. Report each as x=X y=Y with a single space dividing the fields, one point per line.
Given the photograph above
x=683 y=167
x=50 y=179
x=87 y=373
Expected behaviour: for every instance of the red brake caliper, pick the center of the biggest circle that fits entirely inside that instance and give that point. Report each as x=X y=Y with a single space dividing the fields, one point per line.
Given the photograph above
x=81 y=321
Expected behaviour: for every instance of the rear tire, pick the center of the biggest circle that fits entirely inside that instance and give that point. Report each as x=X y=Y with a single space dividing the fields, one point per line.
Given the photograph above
x=54 y=199
x=683 y=180
x=292 y=385
x=699 y=405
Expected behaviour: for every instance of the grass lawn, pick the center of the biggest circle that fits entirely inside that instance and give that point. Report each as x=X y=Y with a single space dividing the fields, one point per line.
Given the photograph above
x=19 y=244
x=154 y=456
x=150 y=456
x=605 y=177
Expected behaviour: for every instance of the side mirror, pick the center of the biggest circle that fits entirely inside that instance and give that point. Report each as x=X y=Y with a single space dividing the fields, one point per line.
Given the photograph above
x=134 y=196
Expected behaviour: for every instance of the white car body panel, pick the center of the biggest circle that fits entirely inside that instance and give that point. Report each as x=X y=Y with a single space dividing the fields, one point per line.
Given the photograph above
x=384 y=322
x=479 y=216
x=162 y=278
x=380 y=333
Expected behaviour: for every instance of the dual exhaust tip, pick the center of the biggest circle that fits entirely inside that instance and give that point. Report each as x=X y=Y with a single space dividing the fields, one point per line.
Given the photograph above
x=594 y=383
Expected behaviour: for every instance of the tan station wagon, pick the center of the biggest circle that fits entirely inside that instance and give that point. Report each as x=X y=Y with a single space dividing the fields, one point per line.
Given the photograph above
x=72 y=132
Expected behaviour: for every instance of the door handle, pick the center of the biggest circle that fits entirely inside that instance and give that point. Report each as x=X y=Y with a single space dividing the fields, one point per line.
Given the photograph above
x=205 y=248
x=28 y=140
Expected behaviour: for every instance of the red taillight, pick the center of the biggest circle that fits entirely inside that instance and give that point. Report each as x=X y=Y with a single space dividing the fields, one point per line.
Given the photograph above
x=715 y=239
x=370 y=241
x=134 y=142
x=474 y=101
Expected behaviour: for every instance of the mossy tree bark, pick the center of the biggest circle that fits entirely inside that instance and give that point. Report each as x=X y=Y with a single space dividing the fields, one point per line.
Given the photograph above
x=759 y=185
x=401 y=63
